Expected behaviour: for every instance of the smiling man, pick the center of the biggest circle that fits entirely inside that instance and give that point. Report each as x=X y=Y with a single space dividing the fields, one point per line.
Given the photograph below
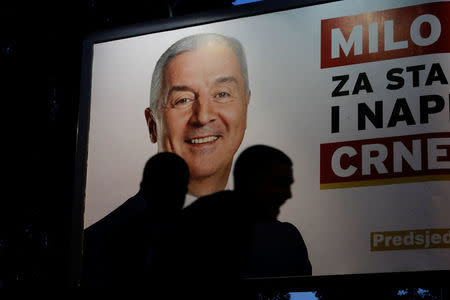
x=198 y=107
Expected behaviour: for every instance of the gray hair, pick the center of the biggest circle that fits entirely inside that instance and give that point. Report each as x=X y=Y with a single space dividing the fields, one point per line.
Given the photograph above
x=191 y=43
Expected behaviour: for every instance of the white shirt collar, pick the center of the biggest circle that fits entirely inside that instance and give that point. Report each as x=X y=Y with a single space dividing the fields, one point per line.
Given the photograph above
x=191 y=198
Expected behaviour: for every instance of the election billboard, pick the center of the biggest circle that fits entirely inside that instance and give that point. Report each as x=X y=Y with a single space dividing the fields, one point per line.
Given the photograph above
x=355 y=92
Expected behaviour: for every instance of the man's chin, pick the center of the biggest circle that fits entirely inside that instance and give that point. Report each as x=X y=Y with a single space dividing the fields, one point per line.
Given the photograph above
x=199 y=174
x=210 y=174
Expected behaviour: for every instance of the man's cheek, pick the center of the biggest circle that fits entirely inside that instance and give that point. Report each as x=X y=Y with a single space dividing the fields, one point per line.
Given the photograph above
x=235 y=117
x=173 y=126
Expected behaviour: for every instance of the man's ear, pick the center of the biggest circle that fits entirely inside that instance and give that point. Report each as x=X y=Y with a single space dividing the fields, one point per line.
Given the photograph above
x=151 y=123
x=248 y=96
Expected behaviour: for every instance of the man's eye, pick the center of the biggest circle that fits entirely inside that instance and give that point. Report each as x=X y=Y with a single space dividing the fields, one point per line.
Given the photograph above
x=182 y=101
x=222 y=94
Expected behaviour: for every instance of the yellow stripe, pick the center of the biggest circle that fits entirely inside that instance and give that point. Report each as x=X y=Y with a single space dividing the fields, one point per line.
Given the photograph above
x=409 y=239
x=373 y=182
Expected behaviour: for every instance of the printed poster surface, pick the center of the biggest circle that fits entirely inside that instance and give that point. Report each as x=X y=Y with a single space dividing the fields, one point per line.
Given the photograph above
x=355 y=92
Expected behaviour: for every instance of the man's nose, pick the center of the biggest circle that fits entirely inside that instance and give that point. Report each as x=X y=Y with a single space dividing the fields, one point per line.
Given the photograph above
x=289 y=194
x=203 y=111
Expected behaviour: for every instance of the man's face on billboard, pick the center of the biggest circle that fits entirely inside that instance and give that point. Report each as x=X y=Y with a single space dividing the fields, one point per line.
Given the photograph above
x=204 y=116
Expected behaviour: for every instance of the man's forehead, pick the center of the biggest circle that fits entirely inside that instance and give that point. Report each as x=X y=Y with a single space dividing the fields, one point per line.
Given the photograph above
x=208 y=47
x=207 y=56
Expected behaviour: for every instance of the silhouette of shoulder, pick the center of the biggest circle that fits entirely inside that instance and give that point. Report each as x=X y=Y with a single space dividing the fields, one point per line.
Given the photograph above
x=212 y=238
x=276 y=249
x=211 y=205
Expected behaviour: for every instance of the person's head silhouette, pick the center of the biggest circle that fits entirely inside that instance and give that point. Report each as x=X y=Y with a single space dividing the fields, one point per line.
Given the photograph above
x=164 y=183
x=264 y=176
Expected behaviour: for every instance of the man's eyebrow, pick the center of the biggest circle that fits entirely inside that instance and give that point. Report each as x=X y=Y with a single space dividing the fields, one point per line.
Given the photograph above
x=226 y=79
x=179 y=88
x=182 y=88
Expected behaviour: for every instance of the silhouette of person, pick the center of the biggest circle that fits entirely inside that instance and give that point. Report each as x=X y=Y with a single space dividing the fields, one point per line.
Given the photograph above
x=123 y=248
x=214 y=233
x=263 y=177
x=213 y=237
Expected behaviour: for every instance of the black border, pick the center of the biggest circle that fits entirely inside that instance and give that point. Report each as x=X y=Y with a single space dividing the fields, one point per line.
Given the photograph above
x=288 y=284
x=424 y=279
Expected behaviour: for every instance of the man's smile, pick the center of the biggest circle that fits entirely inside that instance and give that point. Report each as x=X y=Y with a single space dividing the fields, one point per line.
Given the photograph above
x=203 y=140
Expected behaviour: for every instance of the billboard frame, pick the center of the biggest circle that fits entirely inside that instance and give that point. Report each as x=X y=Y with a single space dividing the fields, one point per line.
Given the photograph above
x=302 y=283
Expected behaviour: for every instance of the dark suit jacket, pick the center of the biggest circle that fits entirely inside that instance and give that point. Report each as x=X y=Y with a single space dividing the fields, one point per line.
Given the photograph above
x=105 y=239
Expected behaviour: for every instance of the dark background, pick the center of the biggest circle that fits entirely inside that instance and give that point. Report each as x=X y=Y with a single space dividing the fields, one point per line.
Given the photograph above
x=40 y=64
